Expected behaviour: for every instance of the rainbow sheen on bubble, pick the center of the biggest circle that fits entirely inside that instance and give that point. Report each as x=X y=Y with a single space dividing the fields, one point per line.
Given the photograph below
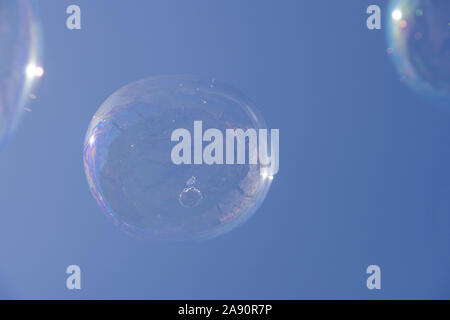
x=419 y=43
x=19 y=49
x=127 y=158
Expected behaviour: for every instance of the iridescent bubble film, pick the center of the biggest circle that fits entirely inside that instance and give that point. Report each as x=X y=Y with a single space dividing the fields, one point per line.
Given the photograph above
x=19 y=60
x=127 y=157
x=419 y=43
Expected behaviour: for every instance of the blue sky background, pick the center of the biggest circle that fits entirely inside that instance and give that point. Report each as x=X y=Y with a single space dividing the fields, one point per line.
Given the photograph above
x=364 y=162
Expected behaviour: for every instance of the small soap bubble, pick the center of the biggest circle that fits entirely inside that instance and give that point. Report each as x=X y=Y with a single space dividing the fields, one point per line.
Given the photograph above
x=419 y=35
x=190 y=197
x=19 y=60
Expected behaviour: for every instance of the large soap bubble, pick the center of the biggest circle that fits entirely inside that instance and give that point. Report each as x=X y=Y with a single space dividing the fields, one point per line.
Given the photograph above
x=19 y=60
x=419 y=42
x=128 y=164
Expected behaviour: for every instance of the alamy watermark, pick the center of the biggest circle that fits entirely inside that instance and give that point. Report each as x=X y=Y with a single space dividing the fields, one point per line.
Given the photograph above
x=237 y=150
x=374 y=280
x=73 y=281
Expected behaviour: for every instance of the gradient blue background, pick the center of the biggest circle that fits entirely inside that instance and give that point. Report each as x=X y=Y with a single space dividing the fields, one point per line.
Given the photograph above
x=364 y=174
